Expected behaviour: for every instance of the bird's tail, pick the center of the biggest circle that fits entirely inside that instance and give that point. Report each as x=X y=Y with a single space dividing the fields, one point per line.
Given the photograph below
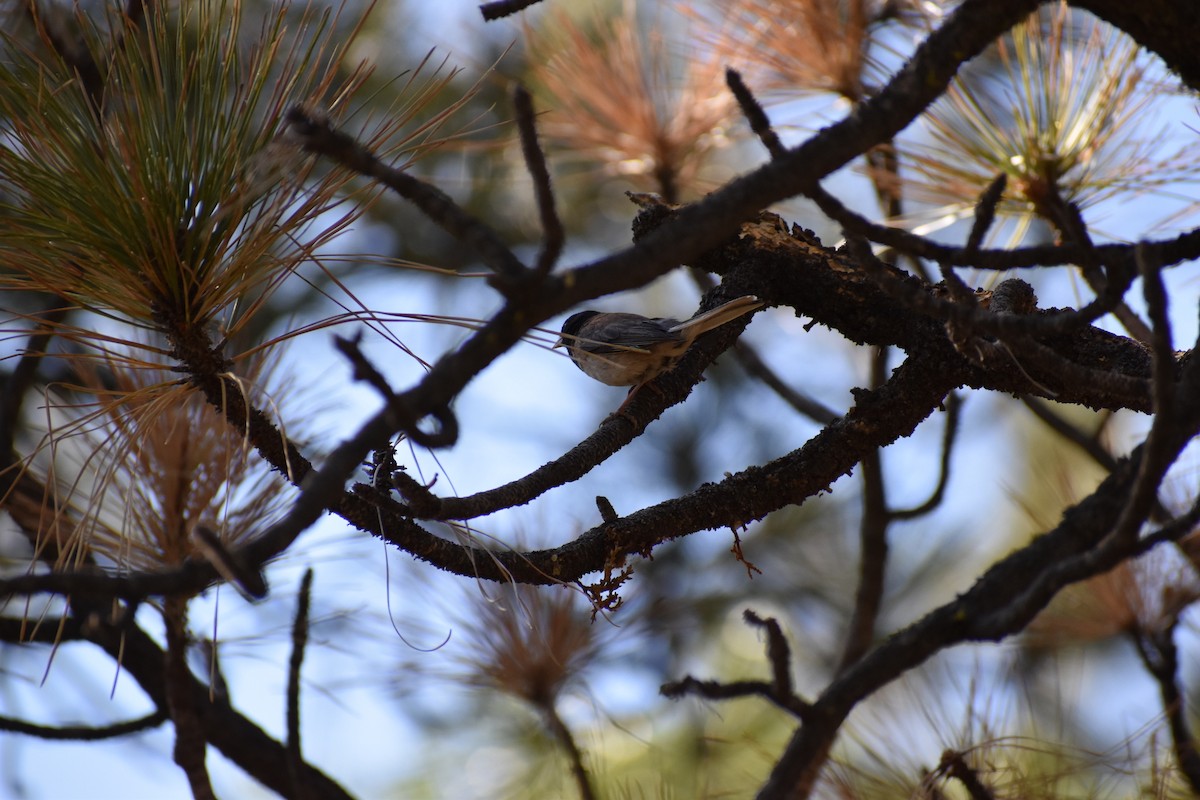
x=718 y=316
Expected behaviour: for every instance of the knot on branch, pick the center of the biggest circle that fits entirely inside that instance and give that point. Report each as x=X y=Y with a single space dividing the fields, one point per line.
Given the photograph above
x=1013 y=296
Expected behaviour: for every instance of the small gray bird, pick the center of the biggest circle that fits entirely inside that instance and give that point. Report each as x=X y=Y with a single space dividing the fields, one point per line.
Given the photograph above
x=631 y=350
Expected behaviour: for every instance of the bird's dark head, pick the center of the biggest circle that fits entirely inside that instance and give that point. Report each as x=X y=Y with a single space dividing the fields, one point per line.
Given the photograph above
x=572 y=326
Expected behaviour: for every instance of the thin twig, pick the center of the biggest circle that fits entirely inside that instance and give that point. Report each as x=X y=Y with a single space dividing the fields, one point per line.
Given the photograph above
x=239 y=739
x=565 y=738
x=1085 y=441
x=779 y=690
x=778 y=652
x=190 y=741
x=535 y=161
x=295 y=756
x=1160 y=656
x=985 y=213
x=955 y=767
x=1070 y=223
x=949 y=434
x=760 y=123
x=749 y=359
x=605 y=507
x=752 y=362
x=84 y=733
x=317 y=135
x=12 y=396
x=732 y=690
x=873 y=544
x=1176 y=250
x=247 y=579
x=502 y=8
x=404 y=419
x=1160 y=446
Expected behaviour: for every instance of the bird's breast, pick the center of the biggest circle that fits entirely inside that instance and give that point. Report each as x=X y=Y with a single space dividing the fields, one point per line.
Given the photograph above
x=627 y=368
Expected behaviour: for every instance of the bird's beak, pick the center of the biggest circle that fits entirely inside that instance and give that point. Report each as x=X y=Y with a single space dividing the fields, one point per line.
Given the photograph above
x=560 y=343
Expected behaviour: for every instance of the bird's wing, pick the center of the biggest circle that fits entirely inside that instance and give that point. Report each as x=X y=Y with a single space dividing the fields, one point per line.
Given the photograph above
x=624 y=332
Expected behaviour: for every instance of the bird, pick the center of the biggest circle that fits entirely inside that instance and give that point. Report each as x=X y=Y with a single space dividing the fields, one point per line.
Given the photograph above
x=620 y=349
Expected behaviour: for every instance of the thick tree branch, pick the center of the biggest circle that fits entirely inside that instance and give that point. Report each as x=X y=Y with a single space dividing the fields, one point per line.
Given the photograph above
x=784 y=267
x=696 y=229
x=1178 y=249
x=879 y=418
x=1001 y=602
